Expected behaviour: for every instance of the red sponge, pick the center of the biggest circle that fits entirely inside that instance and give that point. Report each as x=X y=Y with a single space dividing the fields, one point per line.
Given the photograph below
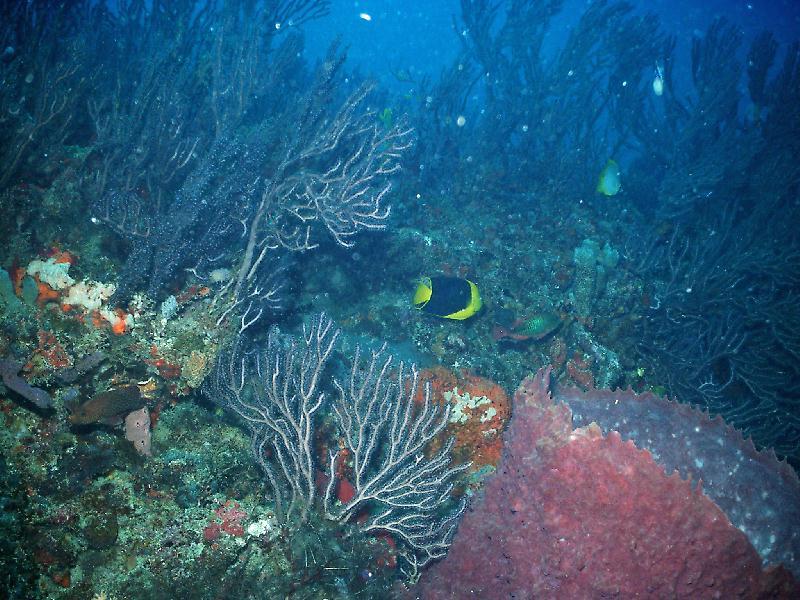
x=576 y=514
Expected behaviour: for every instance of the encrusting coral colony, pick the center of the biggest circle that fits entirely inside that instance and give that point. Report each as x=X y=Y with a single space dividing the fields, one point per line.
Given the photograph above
x=215 y=383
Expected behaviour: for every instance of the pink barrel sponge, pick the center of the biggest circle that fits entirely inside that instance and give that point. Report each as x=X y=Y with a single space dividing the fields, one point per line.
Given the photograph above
x=576 y=513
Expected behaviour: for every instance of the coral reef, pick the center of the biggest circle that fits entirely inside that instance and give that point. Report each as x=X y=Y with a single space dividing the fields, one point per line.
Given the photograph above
x=569 y=505
x=178 y=174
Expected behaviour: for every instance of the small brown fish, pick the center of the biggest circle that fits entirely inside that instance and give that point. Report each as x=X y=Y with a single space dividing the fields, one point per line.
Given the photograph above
x=108 y=407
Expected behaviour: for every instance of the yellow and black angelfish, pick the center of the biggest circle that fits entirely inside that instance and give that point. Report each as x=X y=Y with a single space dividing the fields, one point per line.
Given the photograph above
x=447 y=297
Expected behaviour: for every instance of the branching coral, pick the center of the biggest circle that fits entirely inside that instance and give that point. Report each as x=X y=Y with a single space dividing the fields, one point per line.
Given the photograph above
x=723 y=330
x=245 y=195
x=46 y=72
x=238 y=189
x=381 y=438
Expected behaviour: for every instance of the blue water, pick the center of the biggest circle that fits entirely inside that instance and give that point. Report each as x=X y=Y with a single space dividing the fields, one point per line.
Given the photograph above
x=421 y=37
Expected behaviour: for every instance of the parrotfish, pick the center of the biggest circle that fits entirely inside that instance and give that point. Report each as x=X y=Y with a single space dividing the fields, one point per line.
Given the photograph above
x=535 y=328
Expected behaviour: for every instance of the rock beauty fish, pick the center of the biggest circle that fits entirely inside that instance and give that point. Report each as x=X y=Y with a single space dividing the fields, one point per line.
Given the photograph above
x=447 y=297
x=609 y=183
